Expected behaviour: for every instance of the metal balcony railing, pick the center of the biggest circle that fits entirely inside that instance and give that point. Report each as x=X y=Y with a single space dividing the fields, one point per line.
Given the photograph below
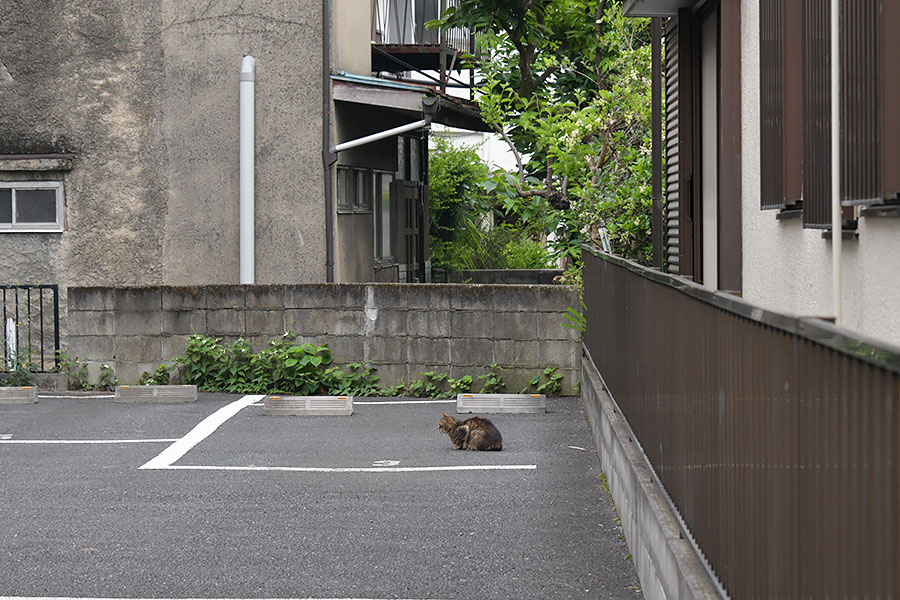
x=402 y=23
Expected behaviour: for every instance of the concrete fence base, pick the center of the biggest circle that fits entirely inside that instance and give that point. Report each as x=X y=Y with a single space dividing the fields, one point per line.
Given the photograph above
x=400 y=329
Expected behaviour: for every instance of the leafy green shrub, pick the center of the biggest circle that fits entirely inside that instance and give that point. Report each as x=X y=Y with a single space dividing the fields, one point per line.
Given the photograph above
x=493 y=381
x=548 y=381
x=75 y=370
x=162 y=376
x=15 y=377
x=506 y=246
x=355 y=379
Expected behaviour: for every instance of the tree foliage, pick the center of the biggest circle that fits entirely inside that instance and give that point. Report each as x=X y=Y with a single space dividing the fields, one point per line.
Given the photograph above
x=464 y=232
x=566 y=84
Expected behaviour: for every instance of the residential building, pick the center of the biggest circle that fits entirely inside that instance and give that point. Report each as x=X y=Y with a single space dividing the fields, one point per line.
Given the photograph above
x=120 y=154
x=748 y=164
x=745 y=393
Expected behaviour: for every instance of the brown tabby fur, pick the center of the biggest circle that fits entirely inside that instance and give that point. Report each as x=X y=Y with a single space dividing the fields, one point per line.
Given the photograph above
x=472 y=434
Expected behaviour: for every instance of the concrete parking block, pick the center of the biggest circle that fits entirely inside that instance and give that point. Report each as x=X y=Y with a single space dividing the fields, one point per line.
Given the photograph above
x=308 y=406
x=156 y=393
x=18 y=395
x=501 y=403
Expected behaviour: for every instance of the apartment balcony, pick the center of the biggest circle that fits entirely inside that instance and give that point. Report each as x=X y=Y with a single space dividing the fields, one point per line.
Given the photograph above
x=402 y=43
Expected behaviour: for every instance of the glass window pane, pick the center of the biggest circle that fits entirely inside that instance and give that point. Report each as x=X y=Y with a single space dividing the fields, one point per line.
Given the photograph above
x=415 y=160
x=401 y=157
x=343 y=189
x=363 y=200
x=5 y=206
x=35 y=206
x=384 y=215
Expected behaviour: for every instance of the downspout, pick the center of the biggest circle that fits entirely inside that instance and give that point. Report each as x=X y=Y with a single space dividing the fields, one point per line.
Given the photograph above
x=247 y=170
x=836 y=224
x=328 y=157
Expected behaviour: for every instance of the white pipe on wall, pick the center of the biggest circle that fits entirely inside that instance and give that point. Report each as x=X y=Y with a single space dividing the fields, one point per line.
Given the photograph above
x=836 y=221
x=381 y=135
x=247 y=170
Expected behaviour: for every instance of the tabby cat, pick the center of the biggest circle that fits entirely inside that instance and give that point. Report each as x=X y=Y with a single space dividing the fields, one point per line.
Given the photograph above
x=472 y=434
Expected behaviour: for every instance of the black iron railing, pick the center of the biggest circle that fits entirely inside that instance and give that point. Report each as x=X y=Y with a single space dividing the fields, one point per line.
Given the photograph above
x=776 y=438
x=29 y=331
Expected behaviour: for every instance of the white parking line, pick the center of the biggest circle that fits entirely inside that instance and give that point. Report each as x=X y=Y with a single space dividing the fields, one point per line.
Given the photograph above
x=196 y=435
x=166 y=459
x=78 y=397
x=355 y=469
x=376 y=402
x=144 y=441
x=405 y=402
x=83 y=598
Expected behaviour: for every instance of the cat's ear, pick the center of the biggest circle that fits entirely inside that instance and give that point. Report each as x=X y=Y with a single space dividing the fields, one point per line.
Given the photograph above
x=445 y=415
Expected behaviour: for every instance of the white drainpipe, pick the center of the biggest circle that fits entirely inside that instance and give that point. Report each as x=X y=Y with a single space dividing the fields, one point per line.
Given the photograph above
x=836 y=224
x=247 y=170
x=381 y=135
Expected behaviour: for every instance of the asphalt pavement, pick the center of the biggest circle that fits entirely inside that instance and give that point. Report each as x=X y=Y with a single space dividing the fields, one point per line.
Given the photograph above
x=374 y=505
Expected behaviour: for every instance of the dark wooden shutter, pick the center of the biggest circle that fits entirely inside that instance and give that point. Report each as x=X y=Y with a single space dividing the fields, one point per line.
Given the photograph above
x=817 y=115
x=771 y=63
x=860 y=47
x=671 y=151
x=890 y=91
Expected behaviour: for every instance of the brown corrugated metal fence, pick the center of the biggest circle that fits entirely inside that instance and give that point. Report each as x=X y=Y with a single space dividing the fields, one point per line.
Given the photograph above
x=776 y=438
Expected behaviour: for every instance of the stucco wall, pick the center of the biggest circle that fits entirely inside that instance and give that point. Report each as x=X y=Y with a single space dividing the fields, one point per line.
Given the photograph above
x=788 y=268
x=352 y=21
x=145 y=94
x=401 y=329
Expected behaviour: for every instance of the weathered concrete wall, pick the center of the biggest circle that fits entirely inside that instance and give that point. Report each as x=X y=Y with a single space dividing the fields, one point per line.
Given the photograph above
x=352 y=21
x=145 y=94
x=666 y=564
x=400 y=329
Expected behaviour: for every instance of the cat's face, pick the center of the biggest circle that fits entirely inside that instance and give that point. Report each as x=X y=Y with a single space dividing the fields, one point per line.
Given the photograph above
x=447 y=423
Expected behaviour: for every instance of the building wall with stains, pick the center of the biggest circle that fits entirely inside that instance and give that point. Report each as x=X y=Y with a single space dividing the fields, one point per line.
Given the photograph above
x=145 y=96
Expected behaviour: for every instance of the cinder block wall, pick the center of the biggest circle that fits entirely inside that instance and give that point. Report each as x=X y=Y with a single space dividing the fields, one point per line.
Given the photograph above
x=401 y=329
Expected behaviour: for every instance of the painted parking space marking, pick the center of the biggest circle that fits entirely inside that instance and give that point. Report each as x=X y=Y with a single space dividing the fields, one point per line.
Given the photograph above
x=76 y=397
x=139 y=441
x=352 y=469
x=376 y=402
x=199 y=433
x=388 y=402
x=166 y=459
x=96 y=598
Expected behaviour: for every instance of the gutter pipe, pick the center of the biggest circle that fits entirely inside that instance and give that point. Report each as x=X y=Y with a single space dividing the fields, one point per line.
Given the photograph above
x=381 y=135
x=328 y=157
x=836 y=209
x=247 y=170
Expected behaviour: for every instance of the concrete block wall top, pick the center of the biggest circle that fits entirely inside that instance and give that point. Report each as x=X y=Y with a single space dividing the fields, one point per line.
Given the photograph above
x=446 y=326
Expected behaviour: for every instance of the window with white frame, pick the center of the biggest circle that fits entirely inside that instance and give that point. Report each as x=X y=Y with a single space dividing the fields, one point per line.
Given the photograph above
x=31 y=206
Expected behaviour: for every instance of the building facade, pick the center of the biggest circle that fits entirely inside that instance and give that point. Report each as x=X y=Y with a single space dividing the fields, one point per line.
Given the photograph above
x=747 y=110
x=119 y=145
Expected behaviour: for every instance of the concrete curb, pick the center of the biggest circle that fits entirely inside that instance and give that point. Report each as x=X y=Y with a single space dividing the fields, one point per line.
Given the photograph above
x=666 y=562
